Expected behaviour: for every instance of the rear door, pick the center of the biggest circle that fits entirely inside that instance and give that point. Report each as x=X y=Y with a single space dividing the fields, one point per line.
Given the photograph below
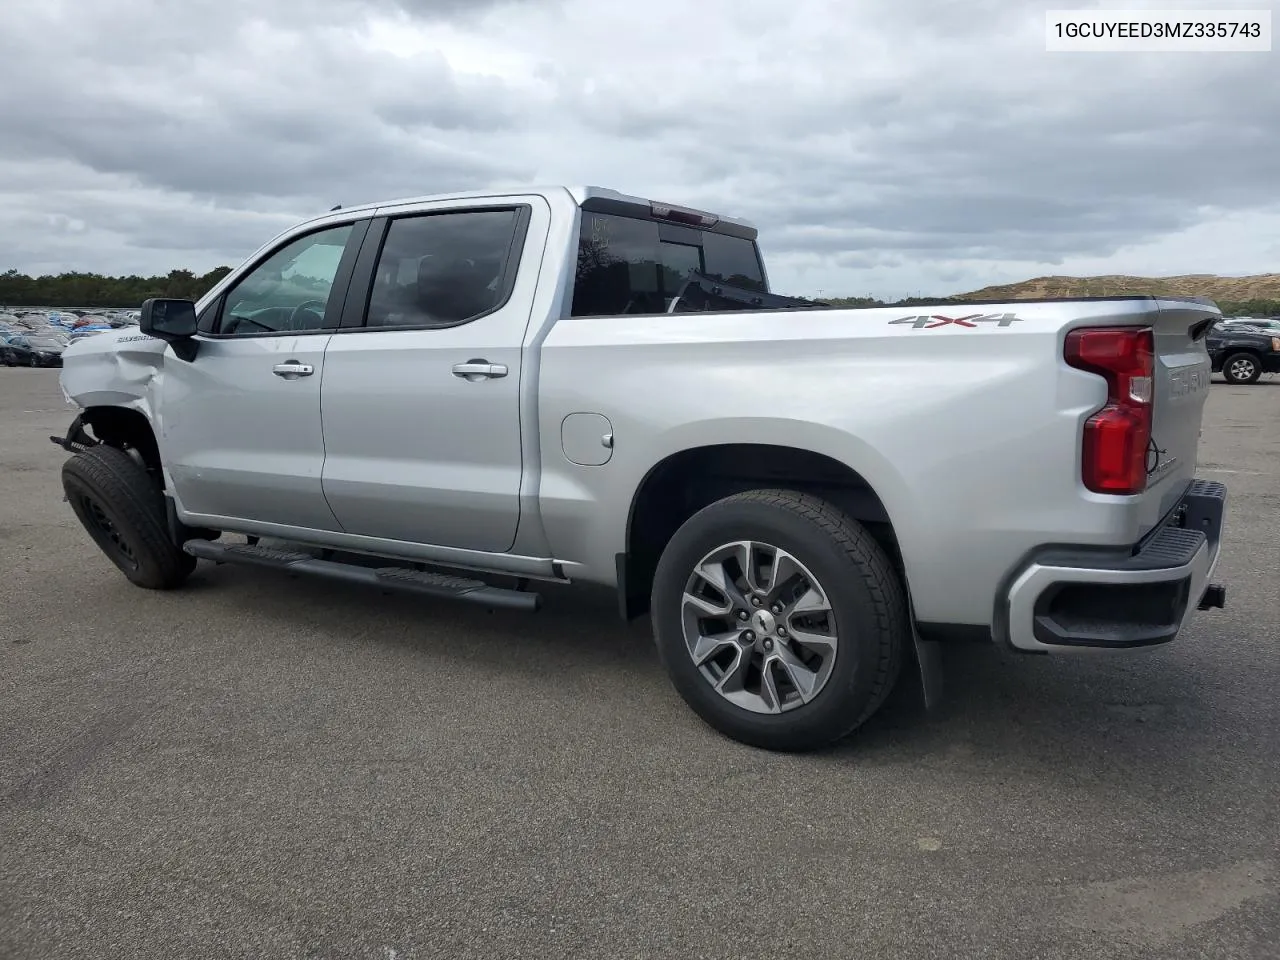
x=421 y=391
x=240 y=424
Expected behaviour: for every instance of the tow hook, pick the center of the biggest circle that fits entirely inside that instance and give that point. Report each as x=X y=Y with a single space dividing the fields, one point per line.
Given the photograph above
x=1215 y=595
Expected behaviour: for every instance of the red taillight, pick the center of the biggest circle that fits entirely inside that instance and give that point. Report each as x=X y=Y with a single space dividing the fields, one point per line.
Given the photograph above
x=1117 y=436
x=695 y=218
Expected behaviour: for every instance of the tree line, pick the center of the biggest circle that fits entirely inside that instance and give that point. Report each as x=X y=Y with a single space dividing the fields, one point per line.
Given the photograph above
x=97 y=290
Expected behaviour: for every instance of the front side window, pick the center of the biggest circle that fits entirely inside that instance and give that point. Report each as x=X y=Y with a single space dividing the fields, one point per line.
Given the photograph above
x=289 y=291
x=443 y=269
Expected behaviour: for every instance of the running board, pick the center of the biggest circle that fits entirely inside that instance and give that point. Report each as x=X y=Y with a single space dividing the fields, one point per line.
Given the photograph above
x=403 y=579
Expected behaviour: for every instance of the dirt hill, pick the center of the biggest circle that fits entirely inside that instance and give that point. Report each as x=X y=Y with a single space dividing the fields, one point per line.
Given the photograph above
x=1235 y=289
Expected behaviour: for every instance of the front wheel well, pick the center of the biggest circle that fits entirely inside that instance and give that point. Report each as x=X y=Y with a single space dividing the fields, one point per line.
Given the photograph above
x=130 y=431
x=687 y=481
x=126 y=429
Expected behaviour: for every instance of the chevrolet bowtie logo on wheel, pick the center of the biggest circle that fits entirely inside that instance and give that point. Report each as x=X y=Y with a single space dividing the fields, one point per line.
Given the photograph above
x=933 y=321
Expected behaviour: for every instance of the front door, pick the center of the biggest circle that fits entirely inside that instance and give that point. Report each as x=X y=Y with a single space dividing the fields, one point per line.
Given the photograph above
x=422 y=398
x=240 y=424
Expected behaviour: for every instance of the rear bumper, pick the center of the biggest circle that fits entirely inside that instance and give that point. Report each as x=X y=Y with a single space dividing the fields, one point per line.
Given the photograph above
x=1145 y=597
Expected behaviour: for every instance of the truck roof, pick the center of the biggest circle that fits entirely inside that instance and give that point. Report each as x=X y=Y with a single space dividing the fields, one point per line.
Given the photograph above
x=590 y=196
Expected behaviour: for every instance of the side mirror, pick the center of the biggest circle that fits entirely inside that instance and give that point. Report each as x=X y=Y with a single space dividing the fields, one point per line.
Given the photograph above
x=168 y=319
x=173 y=321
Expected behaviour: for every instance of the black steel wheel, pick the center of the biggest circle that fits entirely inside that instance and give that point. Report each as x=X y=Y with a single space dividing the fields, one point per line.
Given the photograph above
x=122 y=508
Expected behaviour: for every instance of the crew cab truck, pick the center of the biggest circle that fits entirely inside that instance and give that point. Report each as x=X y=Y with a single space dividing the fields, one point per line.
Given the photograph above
x=466 y=395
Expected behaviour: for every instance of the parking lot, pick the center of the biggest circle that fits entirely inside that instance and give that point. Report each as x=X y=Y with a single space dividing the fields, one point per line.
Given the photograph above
x=262 y=767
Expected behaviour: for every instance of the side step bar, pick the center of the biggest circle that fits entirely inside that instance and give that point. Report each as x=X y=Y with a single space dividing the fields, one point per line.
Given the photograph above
x=403 y=579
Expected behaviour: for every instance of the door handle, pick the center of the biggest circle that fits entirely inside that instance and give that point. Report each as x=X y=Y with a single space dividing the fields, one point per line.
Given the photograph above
x=479 y=370
x=292 y=368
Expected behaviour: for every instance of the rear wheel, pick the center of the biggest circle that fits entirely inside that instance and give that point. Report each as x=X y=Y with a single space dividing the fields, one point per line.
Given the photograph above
x=1241 y=368
x=779 y=618
x=122 y=508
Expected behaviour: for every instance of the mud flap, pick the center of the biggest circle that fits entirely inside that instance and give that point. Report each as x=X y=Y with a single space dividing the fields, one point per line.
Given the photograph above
x=929 y=662
x=928 y=659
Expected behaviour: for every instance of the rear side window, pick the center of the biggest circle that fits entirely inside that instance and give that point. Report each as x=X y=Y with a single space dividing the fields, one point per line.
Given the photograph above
x=442 y=269
x=633 y=266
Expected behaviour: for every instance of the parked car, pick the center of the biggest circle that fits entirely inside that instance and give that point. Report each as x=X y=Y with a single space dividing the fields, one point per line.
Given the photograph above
x=577 y=385
x=33 y=351
x=1269 y=325
x=1243 y=353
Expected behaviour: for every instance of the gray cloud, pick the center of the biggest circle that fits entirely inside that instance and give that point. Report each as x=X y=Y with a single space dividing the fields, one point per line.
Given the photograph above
x=219 y=128
x=874 y=144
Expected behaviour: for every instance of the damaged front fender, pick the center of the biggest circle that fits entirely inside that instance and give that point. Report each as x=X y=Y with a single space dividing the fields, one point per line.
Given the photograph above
x=114 y=370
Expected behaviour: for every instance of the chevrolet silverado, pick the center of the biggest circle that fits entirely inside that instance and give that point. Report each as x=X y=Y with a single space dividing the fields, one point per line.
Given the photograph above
x=465 y=395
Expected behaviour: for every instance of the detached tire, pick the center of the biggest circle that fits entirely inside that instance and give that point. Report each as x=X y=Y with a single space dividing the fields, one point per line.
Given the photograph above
x=122 y=508
x=1241 y=367
x=780 y=620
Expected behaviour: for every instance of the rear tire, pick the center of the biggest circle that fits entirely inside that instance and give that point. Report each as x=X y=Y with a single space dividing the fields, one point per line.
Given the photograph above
x=794 y=699
x=122 y=509
x=1241 y=367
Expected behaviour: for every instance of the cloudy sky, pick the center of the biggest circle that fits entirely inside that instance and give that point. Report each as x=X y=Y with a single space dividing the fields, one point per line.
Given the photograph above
x=890 y=147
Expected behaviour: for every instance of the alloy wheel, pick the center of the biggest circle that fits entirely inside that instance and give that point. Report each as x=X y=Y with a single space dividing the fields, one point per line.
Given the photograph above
x=759 y=627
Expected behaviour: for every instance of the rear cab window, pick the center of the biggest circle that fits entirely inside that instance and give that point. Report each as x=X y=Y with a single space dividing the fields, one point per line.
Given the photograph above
x=639 y=265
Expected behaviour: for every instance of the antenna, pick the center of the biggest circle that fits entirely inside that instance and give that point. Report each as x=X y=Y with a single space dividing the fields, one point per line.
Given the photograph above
x=336 y=206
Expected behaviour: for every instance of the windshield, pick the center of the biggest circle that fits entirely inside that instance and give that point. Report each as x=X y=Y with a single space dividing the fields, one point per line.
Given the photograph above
x=43 y=342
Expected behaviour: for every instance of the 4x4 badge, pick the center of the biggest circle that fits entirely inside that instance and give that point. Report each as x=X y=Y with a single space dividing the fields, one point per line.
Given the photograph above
x=932 y=321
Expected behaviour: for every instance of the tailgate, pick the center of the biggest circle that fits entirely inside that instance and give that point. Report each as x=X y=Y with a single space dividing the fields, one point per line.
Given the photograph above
x=1180 y=391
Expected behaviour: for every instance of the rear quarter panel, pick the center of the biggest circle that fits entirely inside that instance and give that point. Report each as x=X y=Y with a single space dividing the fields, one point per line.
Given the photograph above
x=968 y=433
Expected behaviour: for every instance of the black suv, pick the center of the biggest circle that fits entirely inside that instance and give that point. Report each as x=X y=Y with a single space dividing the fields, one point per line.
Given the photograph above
x=1242 y=353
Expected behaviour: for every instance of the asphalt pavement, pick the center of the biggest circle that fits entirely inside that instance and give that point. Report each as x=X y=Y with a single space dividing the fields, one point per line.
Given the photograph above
x=266 y=767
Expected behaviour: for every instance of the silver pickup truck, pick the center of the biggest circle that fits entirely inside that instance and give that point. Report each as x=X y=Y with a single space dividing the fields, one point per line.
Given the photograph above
x=466 y=395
